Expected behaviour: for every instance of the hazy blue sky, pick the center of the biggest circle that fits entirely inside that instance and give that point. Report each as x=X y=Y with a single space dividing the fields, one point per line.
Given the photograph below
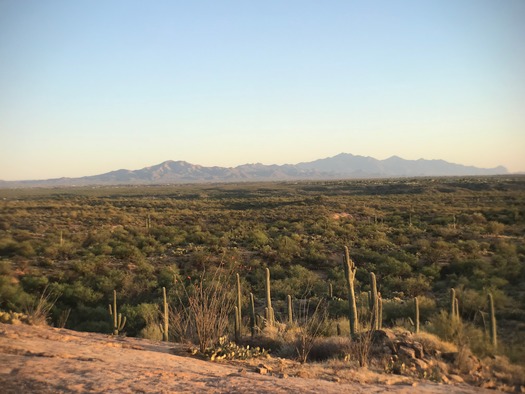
x=91 y=86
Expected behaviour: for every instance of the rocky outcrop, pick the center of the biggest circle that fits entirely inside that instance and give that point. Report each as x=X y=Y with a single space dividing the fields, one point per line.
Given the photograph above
x=406 y=355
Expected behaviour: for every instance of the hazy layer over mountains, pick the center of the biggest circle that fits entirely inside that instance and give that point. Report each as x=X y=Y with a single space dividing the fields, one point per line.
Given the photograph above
x=342 y=166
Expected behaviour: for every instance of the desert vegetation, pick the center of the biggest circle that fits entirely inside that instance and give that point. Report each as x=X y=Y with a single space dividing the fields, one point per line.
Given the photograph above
x=243 y=269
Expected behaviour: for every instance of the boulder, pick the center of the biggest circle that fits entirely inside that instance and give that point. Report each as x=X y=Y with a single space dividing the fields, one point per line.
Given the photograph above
x=419 y=365
x=456 y=378
x=406 y=352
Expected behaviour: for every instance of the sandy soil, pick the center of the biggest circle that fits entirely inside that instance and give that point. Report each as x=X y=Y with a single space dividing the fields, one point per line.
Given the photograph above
x=51 y=360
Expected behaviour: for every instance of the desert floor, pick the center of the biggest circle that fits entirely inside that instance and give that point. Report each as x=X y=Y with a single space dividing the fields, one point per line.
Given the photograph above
x=51 y=360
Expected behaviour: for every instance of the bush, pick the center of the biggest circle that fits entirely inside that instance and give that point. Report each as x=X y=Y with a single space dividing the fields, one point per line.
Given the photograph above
x=444 y=327
x=12 y=296
x=207 y=308
x=91 y=319
x=39 y=310
x=331 y=348
x=138 y=317
x=310 y=326
x=432 y=343
x=151 y=331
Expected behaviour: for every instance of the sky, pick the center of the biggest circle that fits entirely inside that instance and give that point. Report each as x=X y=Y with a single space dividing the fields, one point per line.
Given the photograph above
x=88 y=87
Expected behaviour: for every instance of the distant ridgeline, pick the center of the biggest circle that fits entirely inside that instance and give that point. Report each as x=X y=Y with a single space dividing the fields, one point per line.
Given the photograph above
x=342 y=166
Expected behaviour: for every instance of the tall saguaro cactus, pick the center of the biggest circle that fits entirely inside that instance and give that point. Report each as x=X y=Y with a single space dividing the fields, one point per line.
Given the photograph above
x=164 y=326
x=350 y=270
x=290 y=309
x=416 y=315
x=453 y=304
x=148 y=223
x=270 y=317
x=380 y=313
x=239 y=298
x=492 y=319
x=374 y=302
x=118 y=321
x=237 y=322
x=253 y=320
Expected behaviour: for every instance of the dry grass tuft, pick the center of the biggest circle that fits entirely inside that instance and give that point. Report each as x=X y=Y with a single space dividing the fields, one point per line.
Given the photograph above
x=39 y=311
x=432 y=342
x=506 y=372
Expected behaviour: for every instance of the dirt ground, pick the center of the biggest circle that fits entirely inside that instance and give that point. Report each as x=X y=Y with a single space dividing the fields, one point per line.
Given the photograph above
x=51 y=360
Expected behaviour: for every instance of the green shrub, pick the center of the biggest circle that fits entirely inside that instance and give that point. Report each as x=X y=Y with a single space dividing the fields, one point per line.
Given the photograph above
x=12 y=296
x=140 y=316
x=151 y=331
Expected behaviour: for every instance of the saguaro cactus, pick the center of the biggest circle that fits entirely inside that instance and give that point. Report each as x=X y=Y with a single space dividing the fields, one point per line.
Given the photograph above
x=350 y=271
x=253 y=319
x=453 y=312
x=492 y=319
x=290 y=310
x=239 y=298
x=164 y=326
x=118 y=322
x=416 y=315
x=237 y=324
x=270 y=317
x=380 y=313
x=374 y=302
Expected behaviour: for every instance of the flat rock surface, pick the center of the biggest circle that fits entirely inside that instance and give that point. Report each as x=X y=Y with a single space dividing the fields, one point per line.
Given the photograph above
x=52 y=360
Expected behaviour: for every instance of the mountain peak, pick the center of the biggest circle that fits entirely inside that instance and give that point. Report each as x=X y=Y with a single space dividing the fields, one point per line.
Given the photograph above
x=392 y=158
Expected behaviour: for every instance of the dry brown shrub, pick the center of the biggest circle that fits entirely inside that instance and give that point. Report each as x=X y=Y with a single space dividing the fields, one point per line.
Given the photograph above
x=309 y=327
x=331 y=348
x=361 y=346
x=63 y=317
x=432 y=342
x=39 y=311
x=205 y=308
x=505 y=371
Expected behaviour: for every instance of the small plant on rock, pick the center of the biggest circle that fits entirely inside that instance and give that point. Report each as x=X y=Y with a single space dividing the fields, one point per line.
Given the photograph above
x=228 y=350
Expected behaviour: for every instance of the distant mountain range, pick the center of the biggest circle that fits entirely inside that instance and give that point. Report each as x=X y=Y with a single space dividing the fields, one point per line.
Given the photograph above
x=342 y=166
